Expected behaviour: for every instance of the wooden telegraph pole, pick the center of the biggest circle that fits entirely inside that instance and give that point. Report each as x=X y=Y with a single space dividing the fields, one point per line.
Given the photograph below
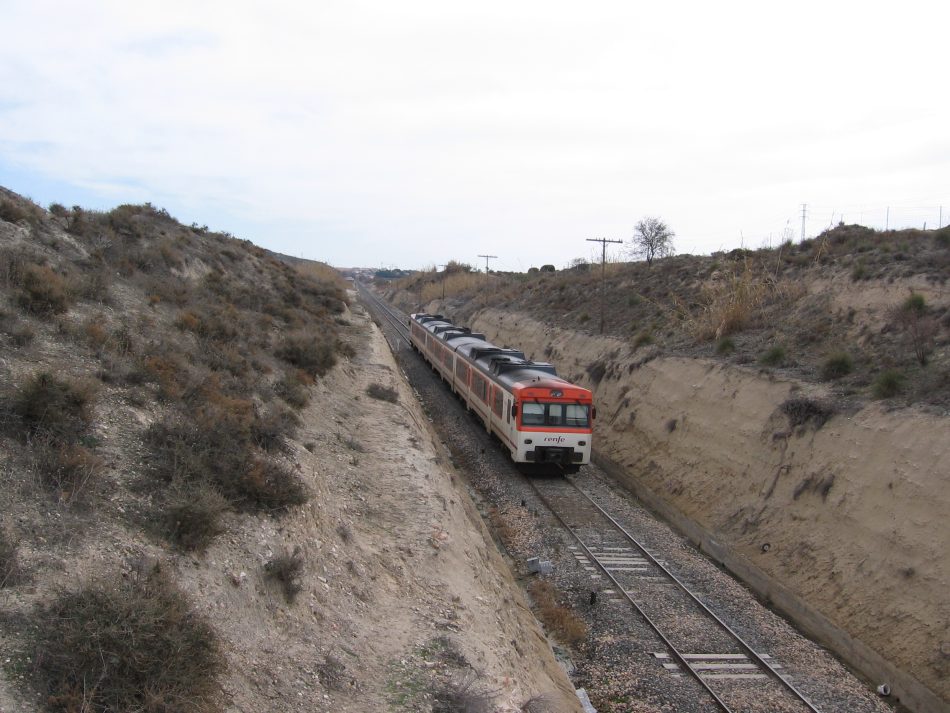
x=603 y=273
x=487 y=258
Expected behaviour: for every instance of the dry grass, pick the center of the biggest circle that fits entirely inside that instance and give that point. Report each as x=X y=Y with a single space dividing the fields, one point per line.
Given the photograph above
x=558 y=619
x=457 y=284
x=58 y=408
x=127 y=644
x=731 y=303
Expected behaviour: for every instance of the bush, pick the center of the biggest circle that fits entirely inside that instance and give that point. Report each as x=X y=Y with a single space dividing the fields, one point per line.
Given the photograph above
x=725 y=346
x=915 y=303
x=837 y=366
x=54 y=407
x=888 y=384
x=773 y=357
x=801 y=411
x=271 y=428
x=127 y=645
x=67 y=470
x=294 y=388
x=193 y=517
x=286 y=569
x=642 y=339
x=383 y=393
x=216 y=449
x=43 y=291
x=312 y=352
x=462 y=694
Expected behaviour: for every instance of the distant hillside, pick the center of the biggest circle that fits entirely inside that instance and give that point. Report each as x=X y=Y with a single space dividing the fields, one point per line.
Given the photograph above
x=864 y=310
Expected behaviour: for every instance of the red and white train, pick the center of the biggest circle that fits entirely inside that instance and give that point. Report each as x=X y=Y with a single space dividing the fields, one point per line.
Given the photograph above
x=538 y=416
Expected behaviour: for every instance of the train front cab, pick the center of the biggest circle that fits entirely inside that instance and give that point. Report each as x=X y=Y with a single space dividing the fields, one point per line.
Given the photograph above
x=554 y=425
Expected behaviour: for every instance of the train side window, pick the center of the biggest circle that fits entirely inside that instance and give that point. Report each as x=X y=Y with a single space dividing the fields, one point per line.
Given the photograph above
x=532 y=414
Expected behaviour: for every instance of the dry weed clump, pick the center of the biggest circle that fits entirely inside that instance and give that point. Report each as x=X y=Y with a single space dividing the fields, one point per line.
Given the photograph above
x=311 y=351
x=462 y=693
x=286 y=569
x=43 y=291
x=803 y=410
x=217 y=442
x=68 y=470
x=382 y=393
x=56 y=408
x=192 y=516
x=294 y=388
x=127 y=644
x=560 y=620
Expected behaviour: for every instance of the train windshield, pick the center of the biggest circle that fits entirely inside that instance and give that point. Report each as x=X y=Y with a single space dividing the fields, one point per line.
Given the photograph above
x=550 y=414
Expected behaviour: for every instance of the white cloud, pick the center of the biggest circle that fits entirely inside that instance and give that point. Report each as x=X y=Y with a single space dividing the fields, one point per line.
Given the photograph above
x=411 y=133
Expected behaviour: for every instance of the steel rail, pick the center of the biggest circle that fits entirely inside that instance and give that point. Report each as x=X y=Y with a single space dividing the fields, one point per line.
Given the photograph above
x=619 y=587
x=712 y=615
x=387 y=312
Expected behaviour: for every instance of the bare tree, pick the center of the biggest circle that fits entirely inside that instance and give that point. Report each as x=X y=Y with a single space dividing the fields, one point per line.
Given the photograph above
x=652 y=238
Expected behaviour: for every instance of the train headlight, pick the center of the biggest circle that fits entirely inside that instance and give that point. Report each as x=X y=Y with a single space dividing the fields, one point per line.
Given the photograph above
x=528 y=441
x=582 y=443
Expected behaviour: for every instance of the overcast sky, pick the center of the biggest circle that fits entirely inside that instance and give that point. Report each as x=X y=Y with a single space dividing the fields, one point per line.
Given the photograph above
x=411 y=133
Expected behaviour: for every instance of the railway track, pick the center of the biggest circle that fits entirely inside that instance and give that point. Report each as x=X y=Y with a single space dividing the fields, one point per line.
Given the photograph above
x=699 y=661
x=706 y=647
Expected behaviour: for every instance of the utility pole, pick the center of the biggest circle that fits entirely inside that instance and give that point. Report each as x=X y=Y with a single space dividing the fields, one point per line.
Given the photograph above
x=603 y=273
x=887 y=219
x=443 y=280
x=487 y=258
x=804 y=210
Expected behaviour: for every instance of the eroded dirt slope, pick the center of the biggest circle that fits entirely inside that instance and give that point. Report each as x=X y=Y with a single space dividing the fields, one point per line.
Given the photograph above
x=848 y=509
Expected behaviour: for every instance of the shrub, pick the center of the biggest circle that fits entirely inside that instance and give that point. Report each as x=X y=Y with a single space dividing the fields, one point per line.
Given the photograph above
x=193 y=517
x=13 y=213
x=920 y=330
x=837 y=365
x=67 y=470
x=310 y=351
x=216 y=449
x=642 y=339
x=462 y=694
x=382 y=393
x=294 y=388
x=800 y=411
x=271 y=428
x=915 y=303
x=725 y=346
x=774 y=356
x=127 y=645
x=43 y=291
x=286 y=569
x=54 y=407
x=888 y=384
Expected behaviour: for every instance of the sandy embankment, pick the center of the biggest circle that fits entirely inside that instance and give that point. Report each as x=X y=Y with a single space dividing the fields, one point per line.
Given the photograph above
x=844 y=526
x=399 y=562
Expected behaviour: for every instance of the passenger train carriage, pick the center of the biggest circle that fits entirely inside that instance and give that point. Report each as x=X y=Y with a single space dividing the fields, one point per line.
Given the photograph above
x=538 y=416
